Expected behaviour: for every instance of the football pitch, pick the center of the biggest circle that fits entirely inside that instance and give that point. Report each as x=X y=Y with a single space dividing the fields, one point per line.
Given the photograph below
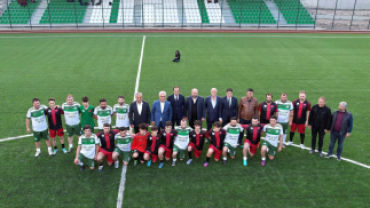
x=106 y=65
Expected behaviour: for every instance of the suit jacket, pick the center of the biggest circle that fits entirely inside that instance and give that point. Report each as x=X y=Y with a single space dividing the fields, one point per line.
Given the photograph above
x=201 y=113
x=213 y=114
x=166 y=115
x=135 y=118
x=229 y=111
x=178 y=108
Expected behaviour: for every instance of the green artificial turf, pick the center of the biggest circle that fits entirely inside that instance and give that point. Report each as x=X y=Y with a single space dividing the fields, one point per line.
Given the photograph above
x=105 y=66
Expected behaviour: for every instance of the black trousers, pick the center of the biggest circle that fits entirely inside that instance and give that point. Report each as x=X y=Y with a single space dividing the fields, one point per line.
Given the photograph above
x=177 y=121
x=226 y=121
x=209 y=124
x=321 y=132
x=136 y=129
x=176 y=60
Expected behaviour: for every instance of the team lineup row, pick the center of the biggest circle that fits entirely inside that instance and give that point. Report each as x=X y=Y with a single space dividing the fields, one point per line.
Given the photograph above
x=177 y=109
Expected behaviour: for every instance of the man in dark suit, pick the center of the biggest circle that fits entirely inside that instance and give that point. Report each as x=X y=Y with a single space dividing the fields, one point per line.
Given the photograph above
x=178 y=106
x=229 y=107
x=139 y=112
x=195 y=107
x=213 y=108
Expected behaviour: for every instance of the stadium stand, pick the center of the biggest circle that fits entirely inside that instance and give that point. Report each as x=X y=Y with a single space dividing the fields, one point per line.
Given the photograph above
x=191 y=11
x=294 y=12
x=101 y=13
x=18 y=14
x=160 y=11
x=251 y=12
x=63 y=12
x=214 y=12
x=203 y=11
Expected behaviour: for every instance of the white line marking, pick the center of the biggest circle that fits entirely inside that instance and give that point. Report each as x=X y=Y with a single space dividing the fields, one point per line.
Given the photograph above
x=14 y=138
x=121 y=189
x=139 y=69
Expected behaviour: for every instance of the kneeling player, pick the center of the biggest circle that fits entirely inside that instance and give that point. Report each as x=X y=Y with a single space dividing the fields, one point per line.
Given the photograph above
x=107 y=145
x=165 y=149
x=274 y=133
x=139 y=143
x=234 y=133
x=151 y=152
x=87 y=150
x=181 y=141
x=123 y=147
x=217 y=136
x=252 y=141
x=197 y=141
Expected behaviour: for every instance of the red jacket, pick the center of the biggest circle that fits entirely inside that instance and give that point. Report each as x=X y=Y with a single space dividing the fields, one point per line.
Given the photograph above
x=139 y=143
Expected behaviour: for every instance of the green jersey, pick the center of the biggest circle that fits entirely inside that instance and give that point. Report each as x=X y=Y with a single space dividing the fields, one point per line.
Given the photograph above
x=232 y=134
x=88 y=145
x=71 y=113
x=182 y=138
x=87 y=116
x=273 y=133
x=284 y=111
x=38 y=118
x=123 y=143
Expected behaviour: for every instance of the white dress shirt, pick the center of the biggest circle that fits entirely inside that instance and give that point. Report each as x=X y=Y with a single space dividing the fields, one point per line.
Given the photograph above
x=162 y=106
x=139 y=107
x=214 y=102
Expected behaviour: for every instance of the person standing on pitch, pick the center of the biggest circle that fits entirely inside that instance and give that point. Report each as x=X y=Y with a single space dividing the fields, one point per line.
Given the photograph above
x=301 y=112
x=341 y=128
x=103 y=114
x=161 y=111
x=36 y=114
x=319 y=121
x=229 y=107
x=248 y=107
x=213 y=108
x=139 y=112
x=178 y=103
x=285 y=114
x=195 y=107
x=54 y=114
x=121 y=110
x=72 y=118
x=87 y=112
x=267 y=109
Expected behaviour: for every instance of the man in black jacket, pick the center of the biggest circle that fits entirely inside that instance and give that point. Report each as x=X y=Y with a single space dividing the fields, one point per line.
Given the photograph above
x=139 y=112
x=178 y=103
x=319 y=121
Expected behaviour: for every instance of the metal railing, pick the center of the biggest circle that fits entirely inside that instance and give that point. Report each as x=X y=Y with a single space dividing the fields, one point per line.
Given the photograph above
x=244 y=14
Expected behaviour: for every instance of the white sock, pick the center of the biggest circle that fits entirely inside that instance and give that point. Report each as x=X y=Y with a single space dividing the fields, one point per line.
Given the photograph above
x=174 y=160
x=244 y=158
x=284 y=137
x=49 y=149
x=263 y=158
x=70 y=145
x=225 y=158
x=38 y=150
x=81 y=163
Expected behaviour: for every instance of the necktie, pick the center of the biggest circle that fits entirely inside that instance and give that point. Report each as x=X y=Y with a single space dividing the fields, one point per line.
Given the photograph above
x=177 y=98
x=229 y=102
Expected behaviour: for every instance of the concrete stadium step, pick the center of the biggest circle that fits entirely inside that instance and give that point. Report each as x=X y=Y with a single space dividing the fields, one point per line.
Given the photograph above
x=39 y=12
x=275 y=11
